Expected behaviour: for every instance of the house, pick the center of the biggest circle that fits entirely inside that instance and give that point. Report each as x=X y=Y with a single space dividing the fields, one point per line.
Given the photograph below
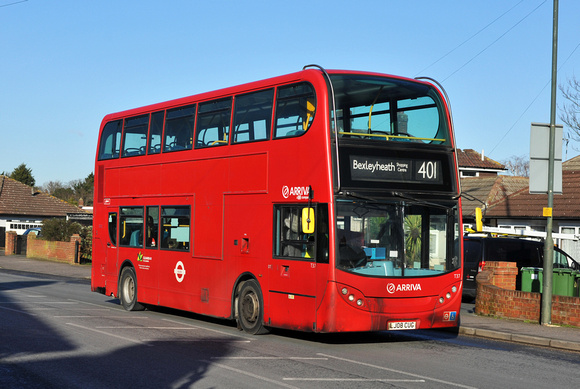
x=21 y=207
x=524 y=211
x=473 y=164
x=481 y=183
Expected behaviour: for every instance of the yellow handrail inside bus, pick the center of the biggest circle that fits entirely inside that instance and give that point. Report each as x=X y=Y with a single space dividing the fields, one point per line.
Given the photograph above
x=387 y=137
x=215 y=142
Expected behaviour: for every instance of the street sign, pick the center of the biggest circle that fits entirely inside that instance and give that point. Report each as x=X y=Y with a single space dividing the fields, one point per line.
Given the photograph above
x=539 y=158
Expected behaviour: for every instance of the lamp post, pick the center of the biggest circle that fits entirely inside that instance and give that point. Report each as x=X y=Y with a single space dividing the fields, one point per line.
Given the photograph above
x=546 y=314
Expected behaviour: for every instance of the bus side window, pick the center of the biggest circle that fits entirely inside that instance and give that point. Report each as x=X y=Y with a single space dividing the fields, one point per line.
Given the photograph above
x=113 y=228
x=156 y=132
x=295 y=108
x=179 y=128
x=135 y=135
x=253 y=116
x=152 y=228
x=110 y=143
x=131 y=227
x=213 y=123
x=175 y=228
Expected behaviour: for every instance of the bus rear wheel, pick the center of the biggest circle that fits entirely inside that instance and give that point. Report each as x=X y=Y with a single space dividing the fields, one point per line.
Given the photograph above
x=251 y=308
x=128 y=290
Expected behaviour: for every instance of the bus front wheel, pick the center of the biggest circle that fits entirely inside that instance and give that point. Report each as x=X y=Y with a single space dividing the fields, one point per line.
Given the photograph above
x=251 y=308
x=128 y=290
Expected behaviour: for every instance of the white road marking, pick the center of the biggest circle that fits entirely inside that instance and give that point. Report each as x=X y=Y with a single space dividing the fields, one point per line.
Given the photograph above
x=398 y=371
x=262 y=378
x=274 y=358
x=107 y=333
x=350 y=380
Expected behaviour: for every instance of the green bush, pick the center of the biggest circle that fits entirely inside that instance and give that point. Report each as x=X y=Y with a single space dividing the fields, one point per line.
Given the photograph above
x=86 y=244
x=59 y=230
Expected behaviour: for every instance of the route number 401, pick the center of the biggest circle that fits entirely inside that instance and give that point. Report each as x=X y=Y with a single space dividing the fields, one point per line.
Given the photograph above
x=428 y=170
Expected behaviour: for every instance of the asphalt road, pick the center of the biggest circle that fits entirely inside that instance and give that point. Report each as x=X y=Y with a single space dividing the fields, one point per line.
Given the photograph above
x=56 y=333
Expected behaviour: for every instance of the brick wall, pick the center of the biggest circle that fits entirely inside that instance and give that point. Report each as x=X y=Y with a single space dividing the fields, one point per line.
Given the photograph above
x=10 y=245
x=60 y=251
x=566 y=310
x=496 y=296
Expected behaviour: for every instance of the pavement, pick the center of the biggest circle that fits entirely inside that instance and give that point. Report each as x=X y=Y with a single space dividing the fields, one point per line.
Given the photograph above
x=557 y=337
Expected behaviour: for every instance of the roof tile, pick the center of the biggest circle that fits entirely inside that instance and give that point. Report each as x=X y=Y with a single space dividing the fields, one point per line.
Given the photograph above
x=469 y=158
x=17 y=198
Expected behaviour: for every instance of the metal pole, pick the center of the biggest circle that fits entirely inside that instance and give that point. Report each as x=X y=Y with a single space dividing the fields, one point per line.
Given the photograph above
x=546 y=315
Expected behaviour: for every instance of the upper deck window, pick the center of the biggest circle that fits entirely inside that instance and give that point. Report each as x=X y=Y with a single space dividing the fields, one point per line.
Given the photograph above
x=135 y=135
x=253 y=116
x=179 y=128
x=213 y=123
x=110 y=142
x=156 y=131
x=295 y=107
x=387 y=109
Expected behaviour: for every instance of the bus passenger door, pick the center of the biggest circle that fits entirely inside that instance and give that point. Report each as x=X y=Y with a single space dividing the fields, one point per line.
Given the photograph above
x=111 y=251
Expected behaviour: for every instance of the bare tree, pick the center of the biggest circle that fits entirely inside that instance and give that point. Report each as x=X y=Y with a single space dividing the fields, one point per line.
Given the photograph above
x=570 y=111
x=518 y=165
x=52 y=186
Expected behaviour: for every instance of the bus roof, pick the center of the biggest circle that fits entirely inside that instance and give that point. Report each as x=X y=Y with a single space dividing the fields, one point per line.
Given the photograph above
x=244 y=88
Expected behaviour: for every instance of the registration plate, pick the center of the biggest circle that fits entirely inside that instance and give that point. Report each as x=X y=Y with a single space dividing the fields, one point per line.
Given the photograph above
x=401 y=325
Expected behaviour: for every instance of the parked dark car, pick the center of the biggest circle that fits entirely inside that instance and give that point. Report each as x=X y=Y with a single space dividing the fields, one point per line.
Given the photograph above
x=525 y=252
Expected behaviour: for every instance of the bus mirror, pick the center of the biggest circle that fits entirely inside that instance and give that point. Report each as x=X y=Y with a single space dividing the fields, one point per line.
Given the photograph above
x=307 y=220
x=309 y=113
x=478 y=219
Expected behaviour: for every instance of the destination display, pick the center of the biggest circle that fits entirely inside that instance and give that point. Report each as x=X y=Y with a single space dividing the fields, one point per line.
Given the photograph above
x=387 y=169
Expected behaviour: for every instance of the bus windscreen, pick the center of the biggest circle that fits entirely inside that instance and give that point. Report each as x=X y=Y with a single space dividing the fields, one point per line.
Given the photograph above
x=389 y=109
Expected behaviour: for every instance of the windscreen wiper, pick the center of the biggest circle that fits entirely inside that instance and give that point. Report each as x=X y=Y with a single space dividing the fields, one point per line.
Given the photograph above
x=418 y=201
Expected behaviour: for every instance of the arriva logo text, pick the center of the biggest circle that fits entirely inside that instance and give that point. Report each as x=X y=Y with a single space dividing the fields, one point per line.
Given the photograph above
x=391 y=288
x=301 y=192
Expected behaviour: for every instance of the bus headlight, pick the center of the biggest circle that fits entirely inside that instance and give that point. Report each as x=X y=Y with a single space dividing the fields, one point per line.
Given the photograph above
x=352 y=296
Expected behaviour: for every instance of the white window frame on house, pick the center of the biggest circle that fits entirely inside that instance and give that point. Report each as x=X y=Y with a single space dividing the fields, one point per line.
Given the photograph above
x=571 y=247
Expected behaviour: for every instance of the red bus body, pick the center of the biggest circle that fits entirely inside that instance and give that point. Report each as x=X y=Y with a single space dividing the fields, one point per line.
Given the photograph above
x=229 y=210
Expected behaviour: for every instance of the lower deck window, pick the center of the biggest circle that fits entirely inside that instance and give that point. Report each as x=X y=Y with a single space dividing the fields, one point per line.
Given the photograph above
x=131 y=226
x=175 y=228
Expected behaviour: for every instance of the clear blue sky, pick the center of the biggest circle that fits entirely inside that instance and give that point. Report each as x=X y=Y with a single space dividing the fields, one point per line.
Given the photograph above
x=65 y=64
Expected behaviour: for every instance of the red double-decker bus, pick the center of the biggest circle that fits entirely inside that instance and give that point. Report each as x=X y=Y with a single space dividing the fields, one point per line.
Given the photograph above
x=320 y=201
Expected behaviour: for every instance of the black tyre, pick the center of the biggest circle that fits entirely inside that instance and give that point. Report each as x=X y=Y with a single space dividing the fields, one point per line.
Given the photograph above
x=251 y=308
x=128 y=290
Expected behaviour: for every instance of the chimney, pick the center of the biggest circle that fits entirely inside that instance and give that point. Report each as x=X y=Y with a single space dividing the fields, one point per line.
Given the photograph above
x=482 y=155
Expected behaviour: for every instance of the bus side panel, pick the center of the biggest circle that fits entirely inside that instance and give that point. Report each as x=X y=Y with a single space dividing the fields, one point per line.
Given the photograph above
x=138 y=180
x=98 y=264
x=211 y=182
x=293 y=294
x=177 y=279
x=247 y=244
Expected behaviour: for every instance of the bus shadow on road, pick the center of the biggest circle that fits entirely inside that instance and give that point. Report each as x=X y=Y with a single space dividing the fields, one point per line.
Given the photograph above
x=344 y=338
x=327 y=338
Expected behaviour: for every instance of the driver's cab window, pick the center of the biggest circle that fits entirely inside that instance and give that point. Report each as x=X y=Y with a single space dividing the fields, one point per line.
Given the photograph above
x=292 y=240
